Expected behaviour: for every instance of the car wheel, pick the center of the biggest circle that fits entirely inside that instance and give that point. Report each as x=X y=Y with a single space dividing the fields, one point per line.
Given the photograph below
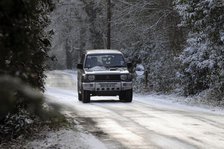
x=85 y=97
x=79 y=94
x=126 y=96
x=80 y=97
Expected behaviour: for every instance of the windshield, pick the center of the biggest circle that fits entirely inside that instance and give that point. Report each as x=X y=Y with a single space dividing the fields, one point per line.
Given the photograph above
x=105 y=60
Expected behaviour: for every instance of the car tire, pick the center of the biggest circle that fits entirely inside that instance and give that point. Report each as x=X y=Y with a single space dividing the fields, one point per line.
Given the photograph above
x=79 y=94
x=85 y=97
x=126 y=96
x=80 y=97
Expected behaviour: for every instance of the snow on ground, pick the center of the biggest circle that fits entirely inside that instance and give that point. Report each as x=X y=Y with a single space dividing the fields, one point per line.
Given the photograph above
x=178 y=102
x=167 y=101
x=128 y=122
x=67 y=139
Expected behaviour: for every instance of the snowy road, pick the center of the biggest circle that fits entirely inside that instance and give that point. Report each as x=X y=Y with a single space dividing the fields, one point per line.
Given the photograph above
x=147 y=122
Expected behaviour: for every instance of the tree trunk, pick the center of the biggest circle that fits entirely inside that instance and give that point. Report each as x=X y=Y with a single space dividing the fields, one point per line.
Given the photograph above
x=108 y=24
x=68 y=55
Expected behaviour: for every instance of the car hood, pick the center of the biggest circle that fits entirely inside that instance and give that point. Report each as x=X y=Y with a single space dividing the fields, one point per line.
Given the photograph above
x=103 y=70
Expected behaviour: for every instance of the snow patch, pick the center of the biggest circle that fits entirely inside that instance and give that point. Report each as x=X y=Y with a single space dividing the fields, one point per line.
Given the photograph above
x=178 y=103
x=66 y=139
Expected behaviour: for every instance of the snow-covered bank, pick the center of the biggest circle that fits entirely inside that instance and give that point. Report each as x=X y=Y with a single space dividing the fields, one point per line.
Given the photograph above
x=178 y=102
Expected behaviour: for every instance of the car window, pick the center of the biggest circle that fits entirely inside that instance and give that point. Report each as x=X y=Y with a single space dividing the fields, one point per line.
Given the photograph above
x=105 y=60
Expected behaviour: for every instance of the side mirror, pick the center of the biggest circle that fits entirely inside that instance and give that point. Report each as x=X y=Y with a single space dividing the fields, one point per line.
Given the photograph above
x=129 y=65
x=79 y=66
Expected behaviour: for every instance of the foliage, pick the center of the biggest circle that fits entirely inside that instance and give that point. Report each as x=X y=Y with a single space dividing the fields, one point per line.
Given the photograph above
x=14 y=124
x=144 y=30
x=78 y=25
x=23 y=42
x=202 y=58
x=21 y=107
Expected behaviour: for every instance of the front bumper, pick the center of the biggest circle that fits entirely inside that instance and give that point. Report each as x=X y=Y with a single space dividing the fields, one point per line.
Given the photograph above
x=106 y=86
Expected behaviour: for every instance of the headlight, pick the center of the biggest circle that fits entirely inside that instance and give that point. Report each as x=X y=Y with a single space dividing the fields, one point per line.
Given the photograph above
x=124 y=77
x=91 y=77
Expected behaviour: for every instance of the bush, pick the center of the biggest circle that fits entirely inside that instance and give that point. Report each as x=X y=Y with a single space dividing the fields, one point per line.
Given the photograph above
x=24 y=45
x=21 y=107
x=202 y=59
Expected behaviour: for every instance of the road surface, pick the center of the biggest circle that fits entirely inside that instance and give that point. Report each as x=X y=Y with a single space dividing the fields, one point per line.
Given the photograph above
x=142 y=124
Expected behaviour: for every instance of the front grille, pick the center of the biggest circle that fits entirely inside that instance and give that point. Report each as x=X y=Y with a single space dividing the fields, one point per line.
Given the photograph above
x=107 y=78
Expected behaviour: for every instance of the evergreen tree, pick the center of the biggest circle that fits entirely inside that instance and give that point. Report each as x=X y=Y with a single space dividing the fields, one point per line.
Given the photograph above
x=23 y=42
x=203 y=56
x=23 y=50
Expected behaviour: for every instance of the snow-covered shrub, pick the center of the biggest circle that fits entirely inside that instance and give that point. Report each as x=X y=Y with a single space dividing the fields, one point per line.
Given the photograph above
x=202 y=58
x=21 y=107
x=12 y=125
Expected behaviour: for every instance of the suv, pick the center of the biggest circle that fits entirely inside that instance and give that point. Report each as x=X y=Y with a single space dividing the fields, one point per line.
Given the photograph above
x=104 y=73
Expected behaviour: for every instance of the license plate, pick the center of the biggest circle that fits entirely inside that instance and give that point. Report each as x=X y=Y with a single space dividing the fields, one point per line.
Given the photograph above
x=108 y=85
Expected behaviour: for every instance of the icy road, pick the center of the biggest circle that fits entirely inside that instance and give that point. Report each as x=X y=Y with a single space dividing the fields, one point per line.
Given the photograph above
x=148 y=122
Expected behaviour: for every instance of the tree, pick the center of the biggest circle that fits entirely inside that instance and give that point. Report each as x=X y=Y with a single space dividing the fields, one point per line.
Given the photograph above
x=202 y=58
x=23 y=42
x=108 y=24
x=78 y=26
x=146 y=32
